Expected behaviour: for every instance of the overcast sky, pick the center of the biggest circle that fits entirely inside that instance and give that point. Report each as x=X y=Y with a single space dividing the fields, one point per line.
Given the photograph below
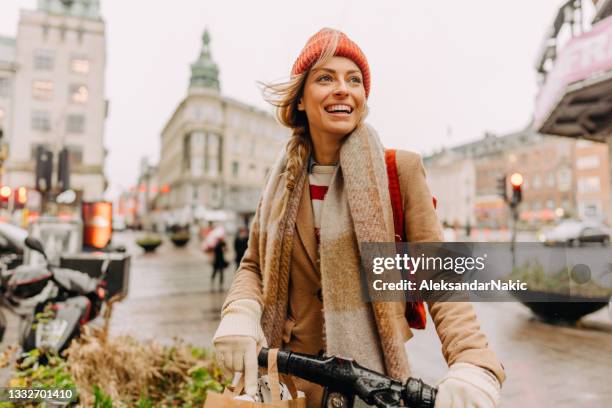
x=443 y=72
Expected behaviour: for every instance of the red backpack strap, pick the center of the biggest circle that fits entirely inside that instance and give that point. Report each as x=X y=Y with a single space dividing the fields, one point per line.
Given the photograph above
x=396 y=195
x=415 y=311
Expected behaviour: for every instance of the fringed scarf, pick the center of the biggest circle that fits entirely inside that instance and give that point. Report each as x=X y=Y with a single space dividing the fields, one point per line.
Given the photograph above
x=357 y=209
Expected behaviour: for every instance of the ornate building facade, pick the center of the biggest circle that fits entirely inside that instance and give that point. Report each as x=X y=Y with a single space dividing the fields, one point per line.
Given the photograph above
x=215 y=151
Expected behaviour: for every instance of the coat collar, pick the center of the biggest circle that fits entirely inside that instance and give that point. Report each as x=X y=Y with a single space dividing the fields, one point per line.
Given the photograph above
x=305 y=225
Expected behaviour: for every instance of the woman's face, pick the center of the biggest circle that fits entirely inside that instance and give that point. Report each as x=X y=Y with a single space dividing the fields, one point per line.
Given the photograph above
x=334 y=98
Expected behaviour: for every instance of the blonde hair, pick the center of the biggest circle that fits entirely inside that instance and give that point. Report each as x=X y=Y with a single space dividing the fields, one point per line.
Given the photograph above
x=286 y=96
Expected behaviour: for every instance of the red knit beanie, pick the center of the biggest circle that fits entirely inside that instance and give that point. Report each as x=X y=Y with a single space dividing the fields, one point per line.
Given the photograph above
x=346 y=48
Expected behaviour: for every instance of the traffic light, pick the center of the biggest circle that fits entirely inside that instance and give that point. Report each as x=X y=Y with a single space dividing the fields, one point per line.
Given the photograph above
x=63 y=170
x=5 y=195
x=501 y=187
x=21 y=197
x=44 y=169
x=516 y=180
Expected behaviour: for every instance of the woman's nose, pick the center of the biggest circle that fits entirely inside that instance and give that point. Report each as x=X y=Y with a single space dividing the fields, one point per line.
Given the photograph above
x=341 y=88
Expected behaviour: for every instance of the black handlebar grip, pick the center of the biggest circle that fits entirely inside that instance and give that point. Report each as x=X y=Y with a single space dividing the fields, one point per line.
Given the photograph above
x=417 y=394
x=262 y=357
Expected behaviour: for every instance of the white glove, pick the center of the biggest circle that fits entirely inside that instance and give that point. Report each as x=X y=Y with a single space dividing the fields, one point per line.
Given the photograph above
x=238 y=339
x=468 y=386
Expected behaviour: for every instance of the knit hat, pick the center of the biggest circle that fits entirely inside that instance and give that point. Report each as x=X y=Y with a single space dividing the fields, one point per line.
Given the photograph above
x=346 y=48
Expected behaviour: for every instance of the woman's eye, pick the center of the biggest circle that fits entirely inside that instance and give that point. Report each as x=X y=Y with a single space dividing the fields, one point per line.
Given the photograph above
x=325 y=78
x=355 y=79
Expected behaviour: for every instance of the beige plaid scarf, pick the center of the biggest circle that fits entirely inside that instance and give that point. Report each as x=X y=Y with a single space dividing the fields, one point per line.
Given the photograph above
x=357 y=209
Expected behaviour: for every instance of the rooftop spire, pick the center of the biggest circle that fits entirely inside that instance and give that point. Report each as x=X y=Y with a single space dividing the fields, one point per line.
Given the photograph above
x=204 y=71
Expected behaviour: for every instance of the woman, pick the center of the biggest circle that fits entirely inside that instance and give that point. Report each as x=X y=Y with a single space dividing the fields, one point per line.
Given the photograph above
x=298 y=284
x=219 y=263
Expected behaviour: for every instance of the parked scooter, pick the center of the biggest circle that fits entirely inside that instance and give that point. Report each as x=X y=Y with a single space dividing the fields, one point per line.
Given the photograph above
x=53 y=303
x=344 y=380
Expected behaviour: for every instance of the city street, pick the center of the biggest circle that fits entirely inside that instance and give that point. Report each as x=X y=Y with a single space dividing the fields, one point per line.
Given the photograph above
x=170 y=297
x=546 y=365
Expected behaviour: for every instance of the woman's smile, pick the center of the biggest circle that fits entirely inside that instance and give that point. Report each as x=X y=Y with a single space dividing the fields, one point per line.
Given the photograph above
x=333 y=99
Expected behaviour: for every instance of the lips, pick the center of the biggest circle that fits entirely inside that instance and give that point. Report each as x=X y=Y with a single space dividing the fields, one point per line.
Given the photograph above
x=339 y=109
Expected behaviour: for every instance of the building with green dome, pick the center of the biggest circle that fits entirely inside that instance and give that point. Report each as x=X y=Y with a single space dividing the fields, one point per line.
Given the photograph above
x=215 y=151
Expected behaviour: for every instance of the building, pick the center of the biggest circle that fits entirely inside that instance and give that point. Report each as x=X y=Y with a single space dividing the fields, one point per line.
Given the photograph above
x=562 y=178
x=7 y=75
x=55 y=91
x=215 y=151
x=452 y=181
x=574 y=69
x=592 y=184
x=549 y=179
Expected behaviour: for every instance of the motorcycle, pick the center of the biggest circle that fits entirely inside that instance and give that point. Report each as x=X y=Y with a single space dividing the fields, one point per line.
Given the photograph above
x=344 y=380
x=53 y=303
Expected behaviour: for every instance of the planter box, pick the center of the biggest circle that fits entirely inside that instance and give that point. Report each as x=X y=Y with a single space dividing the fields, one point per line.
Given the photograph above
x=149 y=247
x=560 y=308
x=180 y=242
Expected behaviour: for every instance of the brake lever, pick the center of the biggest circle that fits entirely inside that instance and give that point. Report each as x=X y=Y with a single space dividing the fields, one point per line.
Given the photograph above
x=386 y=399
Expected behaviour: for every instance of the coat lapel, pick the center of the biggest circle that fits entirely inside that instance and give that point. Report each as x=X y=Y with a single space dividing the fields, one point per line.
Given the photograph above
x=305 y=225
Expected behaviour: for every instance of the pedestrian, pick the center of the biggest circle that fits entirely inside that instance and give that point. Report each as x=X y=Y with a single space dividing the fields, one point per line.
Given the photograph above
x=240 y=244
x=219 y=263
x=298 y=286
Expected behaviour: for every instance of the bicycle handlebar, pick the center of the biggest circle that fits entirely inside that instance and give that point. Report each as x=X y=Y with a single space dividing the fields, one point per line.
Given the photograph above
x=349 y=379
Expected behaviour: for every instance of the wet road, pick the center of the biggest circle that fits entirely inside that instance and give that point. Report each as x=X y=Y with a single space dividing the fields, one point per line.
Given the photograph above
x=547 y=366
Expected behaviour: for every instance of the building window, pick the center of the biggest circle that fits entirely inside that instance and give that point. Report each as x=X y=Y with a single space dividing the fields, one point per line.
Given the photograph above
x=79 y=65
x=75 y=123
x=564 y=179
x=550 y=204
x=565 y=204
x=212 y=162
x=4 y=87
x=79 y=93
x=235 y=168
x=187 y=153
x=584 y=143
x=587 y=162
x=550 y=179
x=76 y=155
x=42 y=90
x=589 y=185
x=43 y=60
x=537 y=183
x=41 y=121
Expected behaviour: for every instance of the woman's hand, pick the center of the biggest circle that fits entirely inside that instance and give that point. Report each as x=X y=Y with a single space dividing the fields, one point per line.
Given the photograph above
x=466 y=385
x=239 y=338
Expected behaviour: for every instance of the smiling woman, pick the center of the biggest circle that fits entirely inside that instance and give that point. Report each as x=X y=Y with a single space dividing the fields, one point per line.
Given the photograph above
x=298 y=286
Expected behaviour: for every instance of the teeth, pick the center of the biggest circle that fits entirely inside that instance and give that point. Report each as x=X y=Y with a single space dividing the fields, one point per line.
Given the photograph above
x=339 y=108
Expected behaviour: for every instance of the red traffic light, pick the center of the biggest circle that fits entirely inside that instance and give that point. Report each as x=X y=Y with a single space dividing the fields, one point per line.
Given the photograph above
x=516 y=179
x=5 y=192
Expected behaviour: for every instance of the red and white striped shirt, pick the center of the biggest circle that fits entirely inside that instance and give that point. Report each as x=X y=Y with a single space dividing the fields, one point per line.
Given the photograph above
x=319 y=178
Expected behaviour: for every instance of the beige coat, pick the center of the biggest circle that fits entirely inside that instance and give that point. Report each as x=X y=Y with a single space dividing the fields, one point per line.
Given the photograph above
x=456 y=323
